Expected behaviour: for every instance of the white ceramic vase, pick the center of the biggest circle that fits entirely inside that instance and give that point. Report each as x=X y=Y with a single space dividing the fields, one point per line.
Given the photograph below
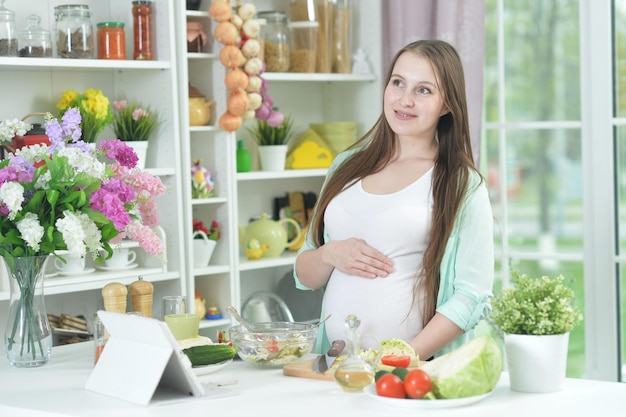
x=536 y=363
x=273 y=157
x=141 y=149
x=202 y=249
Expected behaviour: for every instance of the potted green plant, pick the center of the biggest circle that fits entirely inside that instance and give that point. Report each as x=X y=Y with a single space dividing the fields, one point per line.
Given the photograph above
x=272 y=137
x=536 y=316
x=134 y=124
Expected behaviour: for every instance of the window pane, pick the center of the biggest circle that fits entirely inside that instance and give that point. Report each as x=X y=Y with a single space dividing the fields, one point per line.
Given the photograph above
x=620 y=133
x=541 y=60
x=544 y=171
x=619 y=25
x=573 y=273
x=490 y=75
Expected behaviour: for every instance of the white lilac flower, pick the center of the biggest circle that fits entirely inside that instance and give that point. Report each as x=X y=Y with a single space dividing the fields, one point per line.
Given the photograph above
x=73 y=234
x=92 y=233
x=10 y=128
x=31 y=230
x=32 y=153
x=84 y=162
x=12 y=194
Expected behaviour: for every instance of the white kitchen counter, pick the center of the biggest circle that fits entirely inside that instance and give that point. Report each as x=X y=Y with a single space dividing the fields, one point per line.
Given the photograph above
x=56 y=389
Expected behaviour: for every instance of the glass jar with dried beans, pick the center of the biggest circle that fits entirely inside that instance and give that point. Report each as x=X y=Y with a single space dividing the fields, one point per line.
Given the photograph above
x=8 y=41
x=34 y=41
x=142 y=30
x=276 y=39
x=74 y=31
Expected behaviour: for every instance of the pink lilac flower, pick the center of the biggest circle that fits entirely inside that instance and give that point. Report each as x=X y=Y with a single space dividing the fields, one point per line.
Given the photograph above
x=111 y=206
x=146 y=237
x=118 y=151
x=119 y=188
x=139 y=113
x=149 y=213
x=119 y=105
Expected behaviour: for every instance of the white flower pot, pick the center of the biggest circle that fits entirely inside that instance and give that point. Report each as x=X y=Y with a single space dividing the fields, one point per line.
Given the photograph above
x=536 y=363
x=141 y=149
x=273 y=157
x=202 y=250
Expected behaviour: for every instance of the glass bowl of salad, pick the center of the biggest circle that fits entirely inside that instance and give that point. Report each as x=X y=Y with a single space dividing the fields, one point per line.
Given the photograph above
x=273 y=343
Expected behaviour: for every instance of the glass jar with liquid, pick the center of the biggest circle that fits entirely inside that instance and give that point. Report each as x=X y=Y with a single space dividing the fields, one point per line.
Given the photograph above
x=354 y=373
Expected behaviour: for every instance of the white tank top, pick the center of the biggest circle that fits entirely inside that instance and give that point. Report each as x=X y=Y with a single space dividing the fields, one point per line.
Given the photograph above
x=398 y=225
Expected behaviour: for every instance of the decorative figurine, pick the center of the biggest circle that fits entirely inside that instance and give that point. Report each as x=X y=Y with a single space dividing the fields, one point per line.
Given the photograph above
x=213 y=313
x=202 y=183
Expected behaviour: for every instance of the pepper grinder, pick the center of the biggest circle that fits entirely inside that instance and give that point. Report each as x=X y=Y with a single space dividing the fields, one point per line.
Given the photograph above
x=354 y=373
x=141 y=293
x=114 y=296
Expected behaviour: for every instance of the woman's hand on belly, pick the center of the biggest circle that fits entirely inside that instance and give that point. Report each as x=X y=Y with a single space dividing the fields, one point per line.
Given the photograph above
x=355 y=257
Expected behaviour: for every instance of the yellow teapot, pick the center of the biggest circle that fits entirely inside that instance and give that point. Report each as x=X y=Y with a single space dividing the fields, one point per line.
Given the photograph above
x=199 y=111
x=271 y=235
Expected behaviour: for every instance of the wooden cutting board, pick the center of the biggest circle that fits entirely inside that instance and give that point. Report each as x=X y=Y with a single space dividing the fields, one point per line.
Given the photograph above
x=304 y=369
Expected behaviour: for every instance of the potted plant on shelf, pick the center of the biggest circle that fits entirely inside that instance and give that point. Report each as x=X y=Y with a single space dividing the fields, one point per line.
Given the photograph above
x=204 y=242
x=536 y=316
x=134 y=124
x=95 y=111
x=272 y=141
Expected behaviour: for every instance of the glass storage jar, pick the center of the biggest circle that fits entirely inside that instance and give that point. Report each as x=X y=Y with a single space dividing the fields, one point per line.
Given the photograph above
x=111 y=40
x=8 y=41
x=34 y=41
x=142 y=30
x=276 y=39
x=303 y=46
x=74 y=32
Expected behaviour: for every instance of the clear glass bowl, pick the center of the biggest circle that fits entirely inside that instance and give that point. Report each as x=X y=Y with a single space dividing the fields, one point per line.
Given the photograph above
x=273 y=343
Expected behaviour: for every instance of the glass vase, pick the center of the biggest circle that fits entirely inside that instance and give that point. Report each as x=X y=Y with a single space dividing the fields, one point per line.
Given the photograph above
x=27 y=336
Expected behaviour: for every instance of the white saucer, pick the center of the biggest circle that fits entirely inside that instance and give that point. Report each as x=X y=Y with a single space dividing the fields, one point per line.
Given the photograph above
x=83 y=272
x=51 y=275
x=123 y=268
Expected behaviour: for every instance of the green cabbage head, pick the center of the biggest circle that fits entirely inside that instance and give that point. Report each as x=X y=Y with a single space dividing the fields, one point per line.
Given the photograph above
x=472 y=369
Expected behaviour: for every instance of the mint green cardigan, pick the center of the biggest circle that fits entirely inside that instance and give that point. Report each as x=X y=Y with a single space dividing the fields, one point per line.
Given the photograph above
x=467 y=266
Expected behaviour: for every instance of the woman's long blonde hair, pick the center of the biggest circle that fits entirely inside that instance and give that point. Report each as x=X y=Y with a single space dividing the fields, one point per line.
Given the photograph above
x=453 y=164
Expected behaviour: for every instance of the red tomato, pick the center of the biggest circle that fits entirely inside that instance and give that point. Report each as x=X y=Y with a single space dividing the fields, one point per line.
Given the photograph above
x=396 y=361
x=417 y=383
x=390 y=385
x=272 y=346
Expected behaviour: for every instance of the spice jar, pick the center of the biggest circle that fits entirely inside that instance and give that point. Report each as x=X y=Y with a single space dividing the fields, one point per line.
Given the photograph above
x=34 y=41
x=196 y=38
x=342 y=36
x=142 y=30
x=74 y=31
x=8 y=41
x=276 y=39
x=303 y=46
x=111 y=40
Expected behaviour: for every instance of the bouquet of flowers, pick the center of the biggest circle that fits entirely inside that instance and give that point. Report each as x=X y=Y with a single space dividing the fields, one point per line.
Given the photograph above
x=95 y=111
x=133 y=122
x=64 y=197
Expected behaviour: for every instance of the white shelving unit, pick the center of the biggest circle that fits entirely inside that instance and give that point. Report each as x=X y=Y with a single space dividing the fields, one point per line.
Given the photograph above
x=310 y=98
x=36 y=85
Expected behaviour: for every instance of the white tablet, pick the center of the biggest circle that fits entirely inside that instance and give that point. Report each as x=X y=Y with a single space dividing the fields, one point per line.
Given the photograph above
x=142 y=362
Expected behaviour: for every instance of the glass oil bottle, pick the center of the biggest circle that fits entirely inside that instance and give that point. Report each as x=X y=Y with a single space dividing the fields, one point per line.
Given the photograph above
x=354 y=373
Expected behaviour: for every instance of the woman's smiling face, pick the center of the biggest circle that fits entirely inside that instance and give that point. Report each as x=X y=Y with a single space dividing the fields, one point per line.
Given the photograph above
x=413 y=102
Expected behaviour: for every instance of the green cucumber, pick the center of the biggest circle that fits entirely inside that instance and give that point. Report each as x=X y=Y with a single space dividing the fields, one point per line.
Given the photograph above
x=209 y=354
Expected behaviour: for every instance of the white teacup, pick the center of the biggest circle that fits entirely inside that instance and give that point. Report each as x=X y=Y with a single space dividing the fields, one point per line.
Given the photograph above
x=71 y=265
x=121 y=258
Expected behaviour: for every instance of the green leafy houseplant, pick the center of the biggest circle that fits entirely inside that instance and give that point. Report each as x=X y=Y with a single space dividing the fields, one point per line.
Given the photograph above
x=133 y=122
x=266 y=135
x=541 y=306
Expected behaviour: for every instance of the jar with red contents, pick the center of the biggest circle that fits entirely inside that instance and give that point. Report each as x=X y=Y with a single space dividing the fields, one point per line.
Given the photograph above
x=142 y=30
x=111 y=40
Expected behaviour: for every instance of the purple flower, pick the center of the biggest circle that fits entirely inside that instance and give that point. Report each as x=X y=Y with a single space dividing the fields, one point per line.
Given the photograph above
x=16 y=173
x=119 y=188
x=111 y=206
x=117 y=150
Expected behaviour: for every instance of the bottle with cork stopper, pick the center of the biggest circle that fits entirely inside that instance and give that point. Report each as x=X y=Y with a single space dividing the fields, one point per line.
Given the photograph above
x=141 y=293
x=114 y=295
